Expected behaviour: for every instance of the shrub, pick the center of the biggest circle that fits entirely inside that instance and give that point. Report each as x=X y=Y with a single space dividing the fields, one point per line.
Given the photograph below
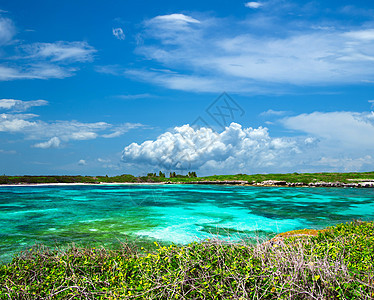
x=336 y=264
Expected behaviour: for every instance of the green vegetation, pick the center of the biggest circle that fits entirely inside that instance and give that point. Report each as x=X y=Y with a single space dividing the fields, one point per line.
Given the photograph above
x=192 y=177
x=290 y=177
x=335 y=264
x=190 y=174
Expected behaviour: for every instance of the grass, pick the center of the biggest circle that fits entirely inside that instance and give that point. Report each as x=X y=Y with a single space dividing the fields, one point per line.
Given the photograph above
x=290 y=177
x=337 y=263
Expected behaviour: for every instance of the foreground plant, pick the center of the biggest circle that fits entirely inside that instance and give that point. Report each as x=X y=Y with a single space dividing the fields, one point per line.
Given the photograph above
x=335 y=264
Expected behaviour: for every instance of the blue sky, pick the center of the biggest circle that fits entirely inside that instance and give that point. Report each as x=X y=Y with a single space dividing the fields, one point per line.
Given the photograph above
x=112 y=87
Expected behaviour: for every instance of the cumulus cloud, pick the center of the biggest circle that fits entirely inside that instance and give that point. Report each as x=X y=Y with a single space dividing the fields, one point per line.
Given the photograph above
x=52 y=143
x=336 y=141
x=118 y=33
x=19 y=105
x=16 y=123
x=82 y=162
x=241 y=149
x=253 y=4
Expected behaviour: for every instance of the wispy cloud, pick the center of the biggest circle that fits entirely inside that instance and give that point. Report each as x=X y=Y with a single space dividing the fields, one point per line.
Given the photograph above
x=365 y=35
x=60 y=51
x=174 y=18
x=253 y=4
x=7 y=30
x=170 y=28
x=340 y=130
x=119 y=130
x=19 y=105
x=176 y=81
x=52 y=143
x=372 y=103
x=39 y=60
x=272 y=112
x=135 y=96
x=118 y=33
x=246 y=61
x=7 y=151
x=35 y=71
x=54 y=134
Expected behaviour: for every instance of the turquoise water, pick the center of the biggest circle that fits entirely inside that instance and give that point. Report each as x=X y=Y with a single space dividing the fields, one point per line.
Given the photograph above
x=106 y=214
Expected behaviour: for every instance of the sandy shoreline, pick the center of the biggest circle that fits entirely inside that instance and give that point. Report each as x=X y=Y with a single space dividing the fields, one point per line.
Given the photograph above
x=231 y=183
x=79 y=183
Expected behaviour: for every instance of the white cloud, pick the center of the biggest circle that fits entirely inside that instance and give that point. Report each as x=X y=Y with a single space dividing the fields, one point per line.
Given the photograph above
x=118 y=33
x=170 y=27
x=15 y=123
x=175 y=18
x=365 y=35
x=136 y=96
x=57 y=132
x=372 y=103
x=102 y=160
x=83 y=135
x=122 y=129
x=7 y=151
x=253 y=4
x=35 y=71
x=344 y=163
x=19 y=105
x=52 y=143
x=336 y=141
x=235 y=149
x=177 y=81
x=82 y=162
x=7 y=31
x=272 y=112
x=39 y=60
x=246 y=61
x=61 y=51
x=340 y=130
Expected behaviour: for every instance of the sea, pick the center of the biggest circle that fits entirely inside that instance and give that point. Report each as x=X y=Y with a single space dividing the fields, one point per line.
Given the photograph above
x=59 y=216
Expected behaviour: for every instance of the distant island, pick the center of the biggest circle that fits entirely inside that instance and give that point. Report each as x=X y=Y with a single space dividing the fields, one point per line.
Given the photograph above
x=353 y=179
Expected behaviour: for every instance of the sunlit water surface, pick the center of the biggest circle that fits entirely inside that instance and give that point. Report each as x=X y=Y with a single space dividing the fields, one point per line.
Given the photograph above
x=107 y=214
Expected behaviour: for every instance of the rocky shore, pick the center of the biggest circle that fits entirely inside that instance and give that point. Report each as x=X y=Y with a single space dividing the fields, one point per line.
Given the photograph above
x=369 y=183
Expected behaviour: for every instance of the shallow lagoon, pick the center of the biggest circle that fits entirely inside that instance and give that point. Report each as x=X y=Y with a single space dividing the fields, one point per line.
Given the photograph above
x=106 y=214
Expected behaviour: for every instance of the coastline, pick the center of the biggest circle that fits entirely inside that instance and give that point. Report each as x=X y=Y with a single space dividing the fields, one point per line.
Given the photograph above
x=267 y=183
x=82 y=183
